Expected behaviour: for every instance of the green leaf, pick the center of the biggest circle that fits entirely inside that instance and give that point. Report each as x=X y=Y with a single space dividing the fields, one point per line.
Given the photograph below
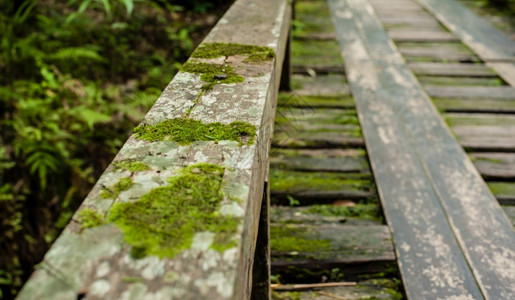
x=129 y=5
x=76 y=53
x=92 y=117
x=107 y=7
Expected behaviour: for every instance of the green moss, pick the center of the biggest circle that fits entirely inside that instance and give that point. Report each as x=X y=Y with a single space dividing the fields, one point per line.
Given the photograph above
x=284 y=238
x=132 y=279
x=131 y=165
x=186 y=131
x=316 y=53
x=286 y=295
x=460 y=81
x=212 y=73
x=295 y=181
x=362 y=211
x=164 y=221
x=89 y=218
x=113 y=192
x=293 y=100
x=502 y=188
x=214 y=50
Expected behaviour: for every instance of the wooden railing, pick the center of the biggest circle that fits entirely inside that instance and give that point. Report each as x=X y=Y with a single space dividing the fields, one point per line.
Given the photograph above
x=182 y=211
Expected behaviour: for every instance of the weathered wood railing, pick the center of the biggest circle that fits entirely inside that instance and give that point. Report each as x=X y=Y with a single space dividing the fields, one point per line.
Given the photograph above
x=176 y=214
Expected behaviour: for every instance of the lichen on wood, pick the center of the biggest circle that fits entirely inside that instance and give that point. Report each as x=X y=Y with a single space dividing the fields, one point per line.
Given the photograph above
x=115 y=190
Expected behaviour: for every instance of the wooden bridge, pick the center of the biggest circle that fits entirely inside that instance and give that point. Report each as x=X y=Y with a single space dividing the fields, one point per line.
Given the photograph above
x=370 y=184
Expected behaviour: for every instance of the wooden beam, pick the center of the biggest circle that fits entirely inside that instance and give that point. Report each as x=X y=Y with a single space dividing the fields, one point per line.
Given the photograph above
x=451 y=236
x=491 y=44
x=100 y=261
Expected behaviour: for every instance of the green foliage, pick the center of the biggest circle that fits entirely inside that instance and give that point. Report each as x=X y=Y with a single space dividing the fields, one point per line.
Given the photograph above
x=164 y=221
x=186 y=131
x=75 y=78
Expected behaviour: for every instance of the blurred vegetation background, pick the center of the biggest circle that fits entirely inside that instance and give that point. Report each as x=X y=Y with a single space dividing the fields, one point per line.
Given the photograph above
x=76 y=77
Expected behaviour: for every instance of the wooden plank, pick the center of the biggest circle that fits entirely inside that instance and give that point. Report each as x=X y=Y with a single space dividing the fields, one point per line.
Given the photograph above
x=413 y=21
x=458 y=81
x=318 y=69
x=413 y=153
x=305 y=185
x=490 y=43
x=316 y=249
x=490 y=92
x=331 y=213
x=420 y=36
x=504 y=191
x=486 y=138
x=367 y=289
x=331 y=85
x=510 y=211
x=451 y=69
x=323 y=160
x=318 y=139
x=443 y=52
x=495 y=166
x=475 y=105
x=294 y=100
x=110 y=262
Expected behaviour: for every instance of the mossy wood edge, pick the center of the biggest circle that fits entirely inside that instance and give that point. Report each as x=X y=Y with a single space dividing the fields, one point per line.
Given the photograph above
x=95 y=256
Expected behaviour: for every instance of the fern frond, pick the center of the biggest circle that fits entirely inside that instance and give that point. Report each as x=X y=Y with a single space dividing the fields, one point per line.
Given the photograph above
x=76 y=53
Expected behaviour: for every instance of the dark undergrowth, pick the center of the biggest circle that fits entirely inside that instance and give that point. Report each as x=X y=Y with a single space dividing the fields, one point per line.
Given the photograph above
x=75 y=78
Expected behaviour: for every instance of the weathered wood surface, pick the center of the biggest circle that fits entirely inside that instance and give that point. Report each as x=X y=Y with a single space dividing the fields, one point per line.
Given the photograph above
x=436 y=52
x=306 y=215
x=475 y=105
x=95 y=263
x=367 y=289
x=319 y=186
x=321 y=69
x=451 y=69
x=445 y=221
x=498 y=92
x=495 y=166
x=416 y=36
x=333 y=85
x=333 y=243
x=491 y=44
x=353 y=249
x=327 y=160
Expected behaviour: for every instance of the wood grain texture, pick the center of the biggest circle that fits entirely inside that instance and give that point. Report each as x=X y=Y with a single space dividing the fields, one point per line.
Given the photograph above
x=490 y=43
x=419 y=36
x=500 y=92
x=96 y=262
x=445 y=221
x=451 y=69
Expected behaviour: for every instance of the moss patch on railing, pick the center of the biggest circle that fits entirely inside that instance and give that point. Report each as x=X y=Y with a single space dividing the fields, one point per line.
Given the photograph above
x=88 y=218
x=115 y=190
x=214 y=50
x=130 y=165
x=186 y=131
x=212 y=73
x=164 y=221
